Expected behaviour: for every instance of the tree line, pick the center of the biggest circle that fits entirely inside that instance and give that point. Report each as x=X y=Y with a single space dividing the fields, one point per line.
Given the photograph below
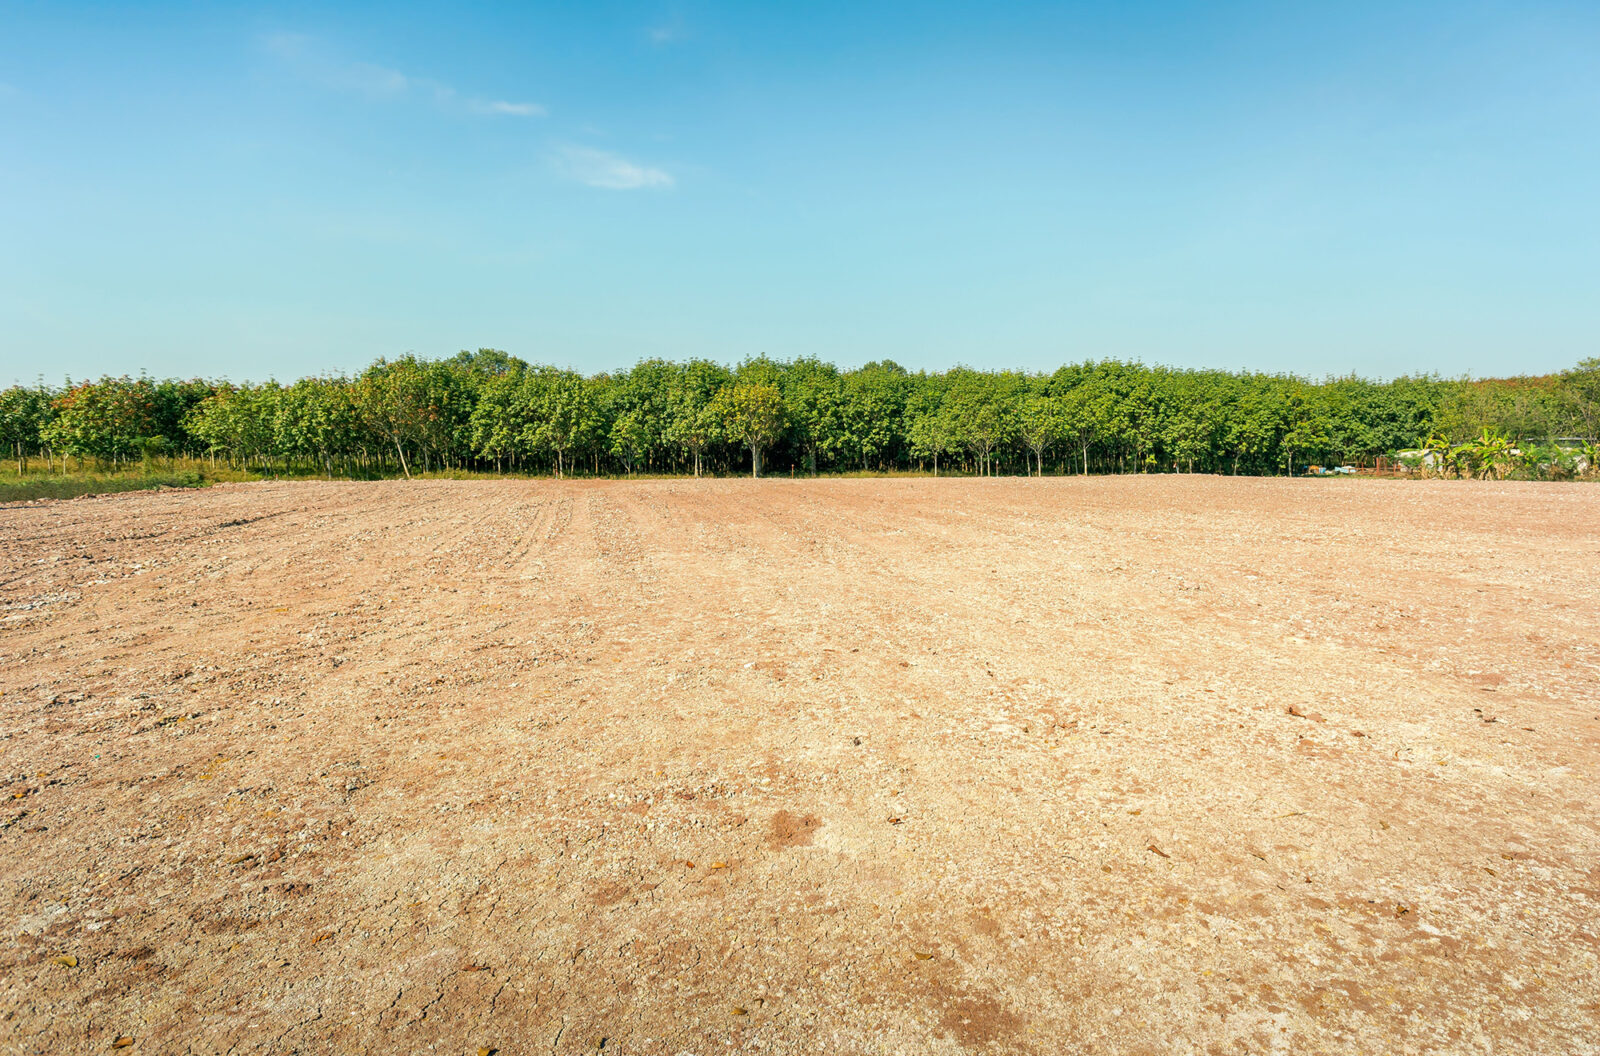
x=487 y=410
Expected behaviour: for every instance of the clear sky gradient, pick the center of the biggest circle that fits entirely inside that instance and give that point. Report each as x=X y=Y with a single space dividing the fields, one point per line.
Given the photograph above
x=1379 y=187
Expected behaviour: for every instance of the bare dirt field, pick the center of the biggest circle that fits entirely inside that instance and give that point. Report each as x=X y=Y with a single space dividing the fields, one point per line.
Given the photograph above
x=1119 y=765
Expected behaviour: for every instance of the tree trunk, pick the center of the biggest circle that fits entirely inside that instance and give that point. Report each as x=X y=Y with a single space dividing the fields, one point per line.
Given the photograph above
x=403 y=466
x=755 y=460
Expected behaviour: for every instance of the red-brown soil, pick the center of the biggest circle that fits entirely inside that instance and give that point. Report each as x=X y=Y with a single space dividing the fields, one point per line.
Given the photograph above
x=1138 y=765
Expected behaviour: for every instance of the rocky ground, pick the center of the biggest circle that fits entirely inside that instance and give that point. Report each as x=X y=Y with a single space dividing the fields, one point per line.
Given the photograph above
x=1120 y=765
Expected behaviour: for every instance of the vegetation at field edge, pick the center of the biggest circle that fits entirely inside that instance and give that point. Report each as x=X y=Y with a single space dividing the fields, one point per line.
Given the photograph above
x=488 y=412
x=72 y=485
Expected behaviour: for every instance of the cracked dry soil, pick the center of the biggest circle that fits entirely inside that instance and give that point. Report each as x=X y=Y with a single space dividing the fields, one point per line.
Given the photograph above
x=1118 y=765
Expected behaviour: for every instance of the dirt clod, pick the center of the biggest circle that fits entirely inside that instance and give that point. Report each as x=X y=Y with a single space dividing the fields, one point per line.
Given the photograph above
x=791 y=830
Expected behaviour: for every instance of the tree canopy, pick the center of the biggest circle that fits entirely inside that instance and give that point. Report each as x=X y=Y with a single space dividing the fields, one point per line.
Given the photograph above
x=486 y=409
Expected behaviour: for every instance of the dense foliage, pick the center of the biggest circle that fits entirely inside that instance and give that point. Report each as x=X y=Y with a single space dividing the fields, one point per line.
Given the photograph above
x=487 y=410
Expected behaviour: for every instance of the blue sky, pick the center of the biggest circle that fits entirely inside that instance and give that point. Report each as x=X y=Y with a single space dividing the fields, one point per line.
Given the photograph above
x=1318 y=188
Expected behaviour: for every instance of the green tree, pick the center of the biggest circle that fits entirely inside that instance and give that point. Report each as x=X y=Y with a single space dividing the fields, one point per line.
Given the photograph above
x=930 y=429
x=394 y=402
x=1255 y=426
x=448 y=392
x=984 y=417
x=1194 y=413
x=1041 y=425
x=631 y=434
x=488 y=363
x=24 y=417
x=752 y=414
x=813 y=403
x=1580 y=391
x=693 y=420
x=109 y=420
x=1084 y=407
x=316 y=419
x=639 y=403
x=561 y=413
x=496 y=425
x=1306 y=425
x=237 y=420
x=871 y=411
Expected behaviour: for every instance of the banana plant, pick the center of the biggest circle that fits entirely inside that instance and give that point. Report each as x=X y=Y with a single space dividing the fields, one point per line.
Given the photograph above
x=1492 y=453
x=1484 y=457
x=1443 y=455
x=1590 y=453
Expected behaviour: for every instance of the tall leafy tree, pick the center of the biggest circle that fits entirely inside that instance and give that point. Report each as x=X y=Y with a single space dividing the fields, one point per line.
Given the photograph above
x=110 y=420
x=487 y=363
x=316 y=419
x=1083 y=406
x=814 y=407
x=983 y=414
x=694 y=422
x=1041 y=425
x=872 y=408
x=393 y=399
x=498 y=420
x=752 y=413
x=930 y=429
x=562 y=413
x=638 y=403
x=1580 y=390
x=1306 y=425
x=1255 y=426
x=24 y=418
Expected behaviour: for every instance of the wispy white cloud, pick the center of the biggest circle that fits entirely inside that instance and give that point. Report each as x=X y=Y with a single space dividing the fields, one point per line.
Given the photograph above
x=310 y=60
x=670 y=28
x=601 y=168
x=500 y=106
x=378 y=82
